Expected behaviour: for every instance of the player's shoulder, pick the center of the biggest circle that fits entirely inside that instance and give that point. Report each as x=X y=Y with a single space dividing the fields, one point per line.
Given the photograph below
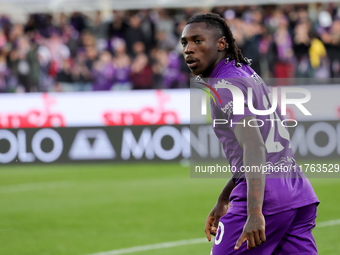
x=232 y=76
x=243 y=76
x=231 y=70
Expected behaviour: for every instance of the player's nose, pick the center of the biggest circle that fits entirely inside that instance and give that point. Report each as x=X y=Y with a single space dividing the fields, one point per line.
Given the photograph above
x=189 y=48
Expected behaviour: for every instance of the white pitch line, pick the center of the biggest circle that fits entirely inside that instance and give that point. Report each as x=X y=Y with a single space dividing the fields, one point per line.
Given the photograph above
x=33 y=186
x=328 y=223
x=185 y=242
x=152 y=247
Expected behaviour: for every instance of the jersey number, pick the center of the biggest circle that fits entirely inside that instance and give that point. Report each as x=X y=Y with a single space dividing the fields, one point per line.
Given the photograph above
x=275 y=123
x=220 y=229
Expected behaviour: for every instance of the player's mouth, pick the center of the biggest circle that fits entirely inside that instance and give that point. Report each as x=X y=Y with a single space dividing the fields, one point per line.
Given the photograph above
x=191 y=62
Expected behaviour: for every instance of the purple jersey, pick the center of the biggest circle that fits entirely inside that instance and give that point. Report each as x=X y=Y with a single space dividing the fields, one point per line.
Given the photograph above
x=284 y=190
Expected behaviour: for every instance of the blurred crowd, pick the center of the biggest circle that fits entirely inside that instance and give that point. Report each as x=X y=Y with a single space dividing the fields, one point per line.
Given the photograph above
x=141 y=49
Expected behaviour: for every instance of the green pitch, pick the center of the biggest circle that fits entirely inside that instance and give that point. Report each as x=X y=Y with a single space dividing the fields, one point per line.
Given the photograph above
x=89 y=208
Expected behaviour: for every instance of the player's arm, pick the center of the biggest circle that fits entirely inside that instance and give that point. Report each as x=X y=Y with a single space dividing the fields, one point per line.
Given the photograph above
x=250 y=139
x=219 y=209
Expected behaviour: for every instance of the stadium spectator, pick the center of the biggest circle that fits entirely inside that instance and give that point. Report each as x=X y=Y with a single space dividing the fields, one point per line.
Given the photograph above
x=122 y=65
x=78 y=21
x=301 y=45
x=318 y=57
x=149 y=29
x=283 y=48
x=99 y=31
x=24 y=64
x=133 y=33
x=58 y=50
x=81 y=73
x=64 y=77
x=118 y=25
x=252 y=39
x=103 y=72
x=141 y=69
x=331 y=39
x=141 y=72
x=164 y=22
x=266 y=53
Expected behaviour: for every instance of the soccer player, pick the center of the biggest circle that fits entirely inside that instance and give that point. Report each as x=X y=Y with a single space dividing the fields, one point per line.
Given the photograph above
x=256 y=213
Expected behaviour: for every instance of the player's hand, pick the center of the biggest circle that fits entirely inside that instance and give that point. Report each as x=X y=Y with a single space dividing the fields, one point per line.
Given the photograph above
x=211 y=225
x=253 y=232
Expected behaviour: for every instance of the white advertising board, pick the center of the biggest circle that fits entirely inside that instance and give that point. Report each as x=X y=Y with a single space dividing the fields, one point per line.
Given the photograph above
x=35 y=110
x=129 y=108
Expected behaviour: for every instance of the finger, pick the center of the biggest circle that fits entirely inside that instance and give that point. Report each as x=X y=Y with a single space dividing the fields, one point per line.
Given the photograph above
x=207 y=232
x=208 y=228
x=257 y=238
x=251 y=241
x=263 y=235
x=240 y=241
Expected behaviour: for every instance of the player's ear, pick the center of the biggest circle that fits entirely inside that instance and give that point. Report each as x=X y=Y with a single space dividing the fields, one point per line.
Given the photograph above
x=222 y=43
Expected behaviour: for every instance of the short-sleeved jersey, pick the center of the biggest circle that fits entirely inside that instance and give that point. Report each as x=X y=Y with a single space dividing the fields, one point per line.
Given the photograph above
x=284 y=189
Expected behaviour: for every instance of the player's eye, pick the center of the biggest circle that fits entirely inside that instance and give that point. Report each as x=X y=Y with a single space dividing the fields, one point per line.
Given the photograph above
x=198 y=41
x=183 y=43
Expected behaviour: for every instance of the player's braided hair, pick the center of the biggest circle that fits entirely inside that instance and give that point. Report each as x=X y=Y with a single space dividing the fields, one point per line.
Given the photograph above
x=214 y=21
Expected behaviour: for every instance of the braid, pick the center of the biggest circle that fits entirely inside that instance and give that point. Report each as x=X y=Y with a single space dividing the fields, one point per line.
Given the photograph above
x=214 y=21
x=233 y=50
